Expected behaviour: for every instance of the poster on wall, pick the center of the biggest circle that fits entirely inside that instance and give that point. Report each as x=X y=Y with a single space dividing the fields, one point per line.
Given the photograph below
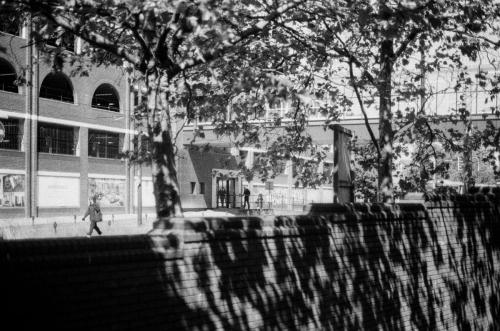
x=11 y=190
x=148 y=198
x=54 y=191
x=111 y=192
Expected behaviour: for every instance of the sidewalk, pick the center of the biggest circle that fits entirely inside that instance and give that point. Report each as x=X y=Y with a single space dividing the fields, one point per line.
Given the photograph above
x=70 y=226
x=112 y=225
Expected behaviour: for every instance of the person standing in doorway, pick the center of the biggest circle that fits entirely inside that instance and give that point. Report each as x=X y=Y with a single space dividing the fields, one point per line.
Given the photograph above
x=222 y=194
x=94 y=211
x=260 y=202
x=246 y=194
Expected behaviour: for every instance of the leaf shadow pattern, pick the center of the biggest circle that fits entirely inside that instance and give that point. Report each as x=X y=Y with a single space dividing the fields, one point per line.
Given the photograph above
x=373 y=267
x=359 y=266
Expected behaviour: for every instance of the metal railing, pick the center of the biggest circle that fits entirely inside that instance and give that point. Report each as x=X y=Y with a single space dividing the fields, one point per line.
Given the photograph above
x=8 y=87
x=56 y=94
x=264 y=202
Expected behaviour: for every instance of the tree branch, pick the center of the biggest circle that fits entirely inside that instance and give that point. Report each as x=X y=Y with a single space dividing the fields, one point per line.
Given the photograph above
x=92 y=38
x=365 y=116
x=404 y=45
x=246 y=34
x=145 y=48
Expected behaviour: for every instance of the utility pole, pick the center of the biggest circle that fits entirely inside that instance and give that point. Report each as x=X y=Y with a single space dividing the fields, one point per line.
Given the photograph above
x=139 y=160
x=139 y=180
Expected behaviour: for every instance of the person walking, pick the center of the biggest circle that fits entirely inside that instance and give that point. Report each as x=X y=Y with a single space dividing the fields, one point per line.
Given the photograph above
x=246 y=202
x=94 y=211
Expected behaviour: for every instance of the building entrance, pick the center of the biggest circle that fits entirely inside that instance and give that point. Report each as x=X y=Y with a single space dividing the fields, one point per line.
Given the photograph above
x=226 y=193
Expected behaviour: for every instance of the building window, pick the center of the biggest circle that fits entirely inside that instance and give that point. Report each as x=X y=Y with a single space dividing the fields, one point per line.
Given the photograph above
x=280 y=168
x=8 y=77
x=13 y=133
x=56 y=139
x=106 y=97
x=10 y=24
x=104 y=144
x=57 y=86
x=193 y=187
x=202 y=188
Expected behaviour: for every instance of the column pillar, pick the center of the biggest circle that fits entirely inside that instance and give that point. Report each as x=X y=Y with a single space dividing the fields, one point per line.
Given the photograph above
x=83 y=139
x=31 y=125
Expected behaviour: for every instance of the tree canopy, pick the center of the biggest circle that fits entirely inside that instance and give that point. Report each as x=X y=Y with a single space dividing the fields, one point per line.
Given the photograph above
x=196 y=59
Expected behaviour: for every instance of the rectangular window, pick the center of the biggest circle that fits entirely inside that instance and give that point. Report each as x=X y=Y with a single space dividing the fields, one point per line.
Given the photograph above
x=56 y=139
x=104 y=144
x=280 y=167
x=193 y=187
x=202 y=188
x=13 y=134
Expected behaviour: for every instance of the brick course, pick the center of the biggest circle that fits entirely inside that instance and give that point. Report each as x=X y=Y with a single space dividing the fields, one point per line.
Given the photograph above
x=351 y=267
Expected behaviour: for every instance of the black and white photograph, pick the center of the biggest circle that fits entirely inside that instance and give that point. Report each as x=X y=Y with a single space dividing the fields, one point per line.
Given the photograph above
x=250 y=164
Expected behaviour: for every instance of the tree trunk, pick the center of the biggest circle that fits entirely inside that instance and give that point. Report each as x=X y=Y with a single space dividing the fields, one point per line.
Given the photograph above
x=385 y=184
x=468 y=177
x=166 y=187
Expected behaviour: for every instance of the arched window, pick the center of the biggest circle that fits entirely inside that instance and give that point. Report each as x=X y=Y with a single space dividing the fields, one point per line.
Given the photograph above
x=8 y=77
x=106 y=97
x=58 y=87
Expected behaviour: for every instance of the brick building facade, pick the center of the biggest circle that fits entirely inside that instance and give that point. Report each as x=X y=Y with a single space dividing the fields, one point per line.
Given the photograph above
x=64 y=134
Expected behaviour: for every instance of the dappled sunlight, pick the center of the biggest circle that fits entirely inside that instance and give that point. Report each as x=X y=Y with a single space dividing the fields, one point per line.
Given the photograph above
x=362 y=266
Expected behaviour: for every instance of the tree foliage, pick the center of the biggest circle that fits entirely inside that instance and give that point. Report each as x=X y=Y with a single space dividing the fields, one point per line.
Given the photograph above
x=384 y=49
x=231 y=61
x=181 y=55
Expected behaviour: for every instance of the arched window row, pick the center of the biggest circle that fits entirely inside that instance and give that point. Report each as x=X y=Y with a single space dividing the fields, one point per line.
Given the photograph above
x=57 y=86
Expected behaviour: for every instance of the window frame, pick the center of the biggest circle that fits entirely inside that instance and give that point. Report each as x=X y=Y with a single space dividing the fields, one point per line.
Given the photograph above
x=106 y=135
x=15 y=88
x=64 y=134
x=116 y=95
x=62 y=96
x=14 y=125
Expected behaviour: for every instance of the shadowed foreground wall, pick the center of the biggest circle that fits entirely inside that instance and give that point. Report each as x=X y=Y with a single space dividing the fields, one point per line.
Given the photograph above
x=358 y=267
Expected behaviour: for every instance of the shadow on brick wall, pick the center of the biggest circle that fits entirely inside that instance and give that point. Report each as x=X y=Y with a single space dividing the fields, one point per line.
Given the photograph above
x=367 y=267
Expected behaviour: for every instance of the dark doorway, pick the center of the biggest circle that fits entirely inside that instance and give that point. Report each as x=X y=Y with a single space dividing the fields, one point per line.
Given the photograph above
x=226 y=193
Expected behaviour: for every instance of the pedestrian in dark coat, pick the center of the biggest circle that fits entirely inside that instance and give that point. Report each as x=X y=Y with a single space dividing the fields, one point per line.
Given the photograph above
x=246 y=201
x=94 y=211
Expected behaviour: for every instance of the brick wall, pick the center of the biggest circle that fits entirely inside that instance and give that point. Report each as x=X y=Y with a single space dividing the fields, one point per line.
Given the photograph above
x=79 y=115
x=358 y=267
